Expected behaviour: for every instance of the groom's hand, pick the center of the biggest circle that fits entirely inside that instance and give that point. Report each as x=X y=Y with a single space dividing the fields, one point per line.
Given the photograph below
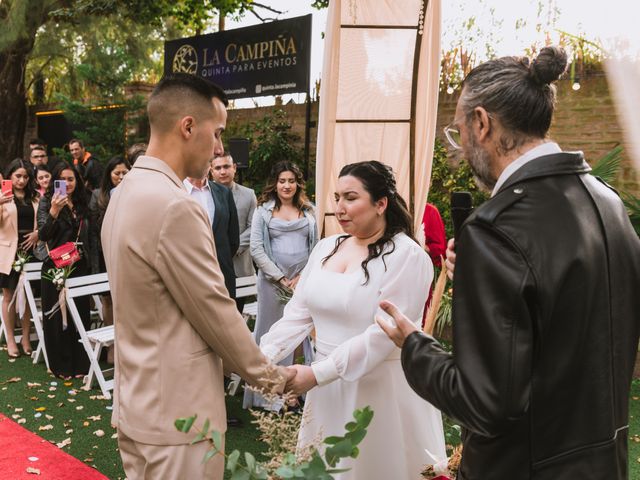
x=404 y=327
x=289 y=373
x=304 y=380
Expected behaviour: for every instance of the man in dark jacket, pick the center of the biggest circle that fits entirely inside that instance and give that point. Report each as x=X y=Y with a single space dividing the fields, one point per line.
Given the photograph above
x=545 y=302
x=217 y=200
x=89 y=166
x=226 y=233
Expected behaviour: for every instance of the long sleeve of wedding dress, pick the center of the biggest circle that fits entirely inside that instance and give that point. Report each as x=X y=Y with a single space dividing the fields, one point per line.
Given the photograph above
x=362 y=353
x=406 y=281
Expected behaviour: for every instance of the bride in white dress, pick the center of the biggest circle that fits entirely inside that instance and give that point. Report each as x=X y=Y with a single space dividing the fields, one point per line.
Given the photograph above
x=356 y=365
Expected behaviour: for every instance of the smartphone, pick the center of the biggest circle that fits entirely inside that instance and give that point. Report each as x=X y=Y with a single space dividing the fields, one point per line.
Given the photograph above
x=7 y=188
x=60 y=187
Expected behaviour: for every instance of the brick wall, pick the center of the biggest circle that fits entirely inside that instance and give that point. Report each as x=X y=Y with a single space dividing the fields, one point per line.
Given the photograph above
x=584 y=120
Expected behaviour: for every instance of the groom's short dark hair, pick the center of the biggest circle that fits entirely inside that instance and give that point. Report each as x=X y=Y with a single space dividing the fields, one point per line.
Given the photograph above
x=181 y=94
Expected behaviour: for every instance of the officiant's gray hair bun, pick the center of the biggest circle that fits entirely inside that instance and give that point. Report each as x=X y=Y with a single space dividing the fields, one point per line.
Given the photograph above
x=517 y=93
x=549 y=65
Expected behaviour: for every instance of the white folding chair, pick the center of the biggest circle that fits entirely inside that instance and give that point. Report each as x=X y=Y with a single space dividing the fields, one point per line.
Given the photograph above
x=92 y=340
x=33 y=274
x=245 y=287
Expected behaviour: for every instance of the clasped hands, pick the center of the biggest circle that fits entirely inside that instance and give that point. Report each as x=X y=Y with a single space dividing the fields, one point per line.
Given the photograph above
x=300 y=379
x=290 y=284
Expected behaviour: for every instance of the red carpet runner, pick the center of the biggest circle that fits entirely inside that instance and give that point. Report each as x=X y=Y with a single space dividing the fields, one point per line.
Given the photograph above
x=18 y=444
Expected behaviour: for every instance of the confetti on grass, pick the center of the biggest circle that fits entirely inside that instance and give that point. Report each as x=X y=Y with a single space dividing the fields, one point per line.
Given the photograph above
x=64 y=443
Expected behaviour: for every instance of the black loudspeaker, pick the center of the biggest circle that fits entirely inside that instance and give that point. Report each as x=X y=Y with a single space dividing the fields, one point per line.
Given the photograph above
x=239 y=149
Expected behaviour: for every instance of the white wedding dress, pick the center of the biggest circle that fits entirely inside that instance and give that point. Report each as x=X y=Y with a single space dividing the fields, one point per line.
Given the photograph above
x=357 y=365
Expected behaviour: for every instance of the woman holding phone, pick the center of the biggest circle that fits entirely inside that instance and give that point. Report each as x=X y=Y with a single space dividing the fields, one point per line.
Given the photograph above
x=63 y=216
x=18 y=233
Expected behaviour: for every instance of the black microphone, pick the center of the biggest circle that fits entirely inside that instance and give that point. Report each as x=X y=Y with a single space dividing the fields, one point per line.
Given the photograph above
x=461 y=208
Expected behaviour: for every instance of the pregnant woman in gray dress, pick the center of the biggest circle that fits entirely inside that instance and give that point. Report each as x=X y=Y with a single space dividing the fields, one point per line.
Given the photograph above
x=283 y=233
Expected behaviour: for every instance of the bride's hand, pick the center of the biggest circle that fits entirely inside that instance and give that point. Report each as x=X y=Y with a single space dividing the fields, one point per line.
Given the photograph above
x=304 y=380
x=294 y=282
x=404 y=327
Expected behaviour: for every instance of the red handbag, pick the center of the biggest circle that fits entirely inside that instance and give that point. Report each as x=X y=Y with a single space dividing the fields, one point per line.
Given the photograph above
x=67 y=253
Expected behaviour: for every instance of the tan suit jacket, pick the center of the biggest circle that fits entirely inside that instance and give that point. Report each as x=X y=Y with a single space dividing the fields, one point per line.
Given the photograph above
x=174 y=321
x=9 y=234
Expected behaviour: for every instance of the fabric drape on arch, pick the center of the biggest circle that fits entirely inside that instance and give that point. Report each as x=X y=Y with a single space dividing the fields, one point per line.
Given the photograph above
x=623 y=75
x=379 y=96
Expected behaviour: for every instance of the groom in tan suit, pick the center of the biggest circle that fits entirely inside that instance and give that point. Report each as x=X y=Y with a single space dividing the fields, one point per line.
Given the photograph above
x=175 y=324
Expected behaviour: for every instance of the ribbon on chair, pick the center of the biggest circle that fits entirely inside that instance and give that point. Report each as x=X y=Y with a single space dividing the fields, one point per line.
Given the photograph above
x=19 y=296
x=61 y=305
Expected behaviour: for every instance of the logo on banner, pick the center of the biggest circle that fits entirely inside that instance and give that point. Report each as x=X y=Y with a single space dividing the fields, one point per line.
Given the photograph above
x=186 y=60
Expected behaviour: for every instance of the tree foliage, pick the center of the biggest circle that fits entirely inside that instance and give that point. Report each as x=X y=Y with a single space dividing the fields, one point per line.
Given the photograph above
x=87 y=49
x=271 y=141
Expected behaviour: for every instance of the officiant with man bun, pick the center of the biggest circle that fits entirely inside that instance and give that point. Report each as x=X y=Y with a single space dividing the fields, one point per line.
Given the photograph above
x=546 y=276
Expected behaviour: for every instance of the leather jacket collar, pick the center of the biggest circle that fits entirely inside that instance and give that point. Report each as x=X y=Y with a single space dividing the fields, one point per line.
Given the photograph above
x=565 y=163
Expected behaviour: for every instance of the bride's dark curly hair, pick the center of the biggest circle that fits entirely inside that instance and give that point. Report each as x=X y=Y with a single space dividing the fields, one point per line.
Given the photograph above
x=378 y=180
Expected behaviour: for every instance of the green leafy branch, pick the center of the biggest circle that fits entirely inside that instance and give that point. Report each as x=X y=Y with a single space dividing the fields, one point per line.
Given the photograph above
x=316 y=468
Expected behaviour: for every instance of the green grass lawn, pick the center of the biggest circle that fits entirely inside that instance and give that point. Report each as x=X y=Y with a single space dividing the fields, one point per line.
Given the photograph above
x=78 y=415
x=70 y=412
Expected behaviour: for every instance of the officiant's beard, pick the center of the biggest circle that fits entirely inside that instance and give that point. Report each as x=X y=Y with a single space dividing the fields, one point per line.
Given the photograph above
x=480 y=162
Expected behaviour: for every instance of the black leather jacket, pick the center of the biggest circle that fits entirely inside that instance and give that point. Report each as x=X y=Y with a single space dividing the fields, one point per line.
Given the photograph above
x=545 y=329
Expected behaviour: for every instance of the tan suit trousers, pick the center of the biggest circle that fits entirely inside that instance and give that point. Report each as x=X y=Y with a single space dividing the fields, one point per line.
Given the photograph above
x=168 y=462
